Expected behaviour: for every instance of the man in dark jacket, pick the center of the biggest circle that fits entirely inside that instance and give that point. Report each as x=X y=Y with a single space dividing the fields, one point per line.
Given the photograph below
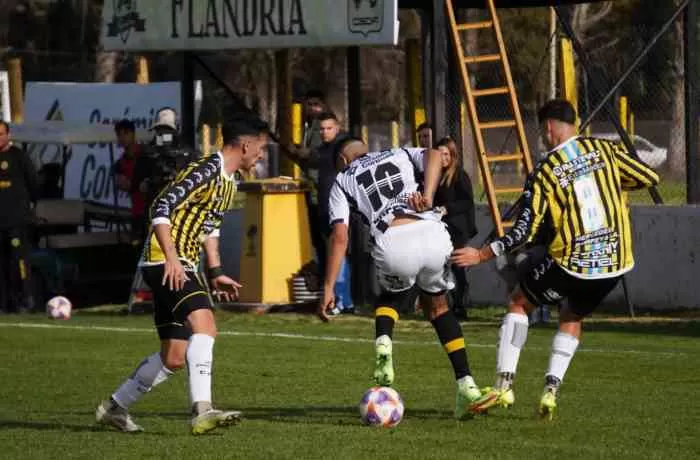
x=18 y=193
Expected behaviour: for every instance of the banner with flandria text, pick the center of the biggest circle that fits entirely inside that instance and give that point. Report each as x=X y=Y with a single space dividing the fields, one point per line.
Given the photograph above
x=237 y=24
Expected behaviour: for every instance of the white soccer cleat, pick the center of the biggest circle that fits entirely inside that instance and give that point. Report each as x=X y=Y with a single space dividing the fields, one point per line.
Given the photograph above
x=213 y=418
x=109 y=413
x=384 y=365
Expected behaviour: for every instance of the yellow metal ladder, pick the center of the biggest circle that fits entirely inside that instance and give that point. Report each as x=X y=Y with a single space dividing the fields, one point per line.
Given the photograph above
x=521 y=154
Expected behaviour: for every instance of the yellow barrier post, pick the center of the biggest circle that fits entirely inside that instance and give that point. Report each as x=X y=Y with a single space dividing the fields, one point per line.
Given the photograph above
x=623 y=112
x=365 y=134
x=394 y=134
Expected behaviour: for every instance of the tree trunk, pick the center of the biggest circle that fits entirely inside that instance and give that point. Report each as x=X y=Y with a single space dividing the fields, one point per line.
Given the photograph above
x=106 y=69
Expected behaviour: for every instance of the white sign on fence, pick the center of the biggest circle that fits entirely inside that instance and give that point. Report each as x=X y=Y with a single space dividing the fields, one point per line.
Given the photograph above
x=88 y=170
x=237 y=24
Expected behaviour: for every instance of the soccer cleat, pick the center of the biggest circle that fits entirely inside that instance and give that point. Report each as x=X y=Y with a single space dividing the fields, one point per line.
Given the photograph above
x=466 y=396
x=548 y=404
x=384 y=370
x=213 y=418
x=492 y=397
x=109 y=413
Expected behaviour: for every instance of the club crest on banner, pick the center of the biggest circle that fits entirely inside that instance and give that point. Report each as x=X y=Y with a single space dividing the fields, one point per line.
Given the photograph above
x=365 y=16
x=124 y=19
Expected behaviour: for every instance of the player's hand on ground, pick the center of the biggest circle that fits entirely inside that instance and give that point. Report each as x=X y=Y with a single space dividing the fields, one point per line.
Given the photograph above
x=327 y=303
x=225 y=289
x=465 y=257
x=174 y=275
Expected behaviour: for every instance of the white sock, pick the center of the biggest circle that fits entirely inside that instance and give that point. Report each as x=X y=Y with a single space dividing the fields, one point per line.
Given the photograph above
x=563 y=349
x=511 y=339
x=200 y=354
x=148 y=374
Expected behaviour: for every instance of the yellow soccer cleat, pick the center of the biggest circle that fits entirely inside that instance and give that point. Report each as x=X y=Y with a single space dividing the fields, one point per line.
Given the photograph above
x=492 y=397
x=548 y=404
x=384 y=366
x=466 y=395
x=213 y=418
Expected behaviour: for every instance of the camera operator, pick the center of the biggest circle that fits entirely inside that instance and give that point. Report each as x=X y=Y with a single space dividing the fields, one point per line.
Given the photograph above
x=162 y=158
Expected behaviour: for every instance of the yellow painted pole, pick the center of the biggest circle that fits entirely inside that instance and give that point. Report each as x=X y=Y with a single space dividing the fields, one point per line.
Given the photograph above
x=623 y=112
x=206 y=140
x=394 y=134
x=631 y=125
x=297 y=125
x=365 y=134
x=219 y=141
x=568 y=73
x=414 y=86
x=14 y=73
x=142 y=75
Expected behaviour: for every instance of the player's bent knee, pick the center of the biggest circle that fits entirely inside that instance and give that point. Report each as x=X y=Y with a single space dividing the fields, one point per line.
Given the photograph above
x=202 y=321
x=434 y=304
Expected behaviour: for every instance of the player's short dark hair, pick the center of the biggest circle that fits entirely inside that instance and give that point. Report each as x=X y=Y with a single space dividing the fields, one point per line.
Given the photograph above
x=323 y=116
x=124 y=125
x=557 y=109
x=6 y=125
x=237 y=126
x=314 y=94
x=341 y=141
x=423 y=126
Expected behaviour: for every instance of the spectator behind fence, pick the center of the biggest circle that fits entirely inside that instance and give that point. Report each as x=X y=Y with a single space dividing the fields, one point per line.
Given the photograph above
x=456 y=195
x=124 y=176
x=18 y=194
x=425 y=135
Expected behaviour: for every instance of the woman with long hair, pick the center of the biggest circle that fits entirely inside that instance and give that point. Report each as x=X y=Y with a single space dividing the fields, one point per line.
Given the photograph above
x=456 y=195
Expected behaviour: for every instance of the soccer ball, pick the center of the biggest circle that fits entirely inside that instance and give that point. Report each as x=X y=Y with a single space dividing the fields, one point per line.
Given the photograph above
x=59 y=308
x=381 y=406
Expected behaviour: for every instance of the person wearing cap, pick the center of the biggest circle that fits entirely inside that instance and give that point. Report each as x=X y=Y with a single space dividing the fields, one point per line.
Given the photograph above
x=576 y=192
x=162 y=158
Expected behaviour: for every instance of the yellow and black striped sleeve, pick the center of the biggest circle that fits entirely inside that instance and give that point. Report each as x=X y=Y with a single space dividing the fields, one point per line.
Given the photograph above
x=188 y=183
x=634 y=173
x=527 y=224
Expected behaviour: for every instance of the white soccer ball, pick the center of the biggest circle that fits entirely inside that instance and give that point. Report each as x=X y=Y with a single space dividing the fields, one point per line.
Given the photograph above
x=59 y=308
x=381 y=406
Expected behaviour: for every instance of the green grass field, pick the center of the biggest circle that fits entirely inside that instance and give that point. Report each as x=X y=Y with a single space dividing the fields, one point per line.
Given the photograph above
x=631 y=391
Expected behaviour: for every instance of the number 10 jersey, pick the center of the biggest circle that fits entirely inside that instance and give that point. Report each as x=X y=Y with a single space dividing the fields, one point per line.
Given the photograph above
x=378 y=186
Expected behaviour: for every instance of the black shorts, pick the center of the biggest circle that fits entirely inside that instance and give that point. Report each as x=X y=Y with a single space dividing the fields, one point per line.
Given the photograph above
x=543 y=281
x=171 y=308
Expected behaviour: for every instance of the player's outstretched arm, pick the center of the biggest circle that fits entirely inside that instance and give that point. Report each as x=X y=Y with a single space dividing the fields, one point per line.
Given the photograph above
x=634 y=173
x=433 y=169
x=225 y=289
x=338 y=246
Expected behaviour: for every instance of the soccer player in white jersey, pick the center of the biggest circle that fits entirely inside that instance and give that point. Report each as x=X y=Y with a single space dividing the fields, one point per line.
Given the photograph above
x=410 y=245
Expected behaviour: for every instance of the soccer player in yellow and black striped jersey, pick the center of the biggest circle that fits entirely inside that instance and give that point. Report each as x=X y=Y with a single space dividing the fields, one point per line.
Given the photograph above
x=576 y=193
x=186 y=217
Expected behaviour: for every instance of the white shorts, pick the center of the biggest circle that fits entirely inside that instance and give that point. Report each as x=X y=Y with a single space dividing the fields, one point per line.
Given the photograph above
x=414 y=253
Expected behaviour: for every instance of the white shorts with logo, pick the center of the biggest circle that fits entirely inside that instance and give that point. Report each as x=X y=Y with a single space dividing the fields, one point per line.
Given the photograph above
x=414 y=253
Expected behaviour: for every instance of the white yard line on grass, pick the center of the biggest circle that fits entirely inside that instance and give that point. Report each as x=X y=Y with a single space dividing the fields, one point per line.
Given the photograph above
x=322 y=338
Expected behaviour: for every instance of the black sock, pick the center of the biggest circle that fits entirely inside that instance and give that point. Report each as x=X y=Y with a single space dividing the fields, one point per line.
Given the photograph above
x=385 y=318
x=450 y=334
